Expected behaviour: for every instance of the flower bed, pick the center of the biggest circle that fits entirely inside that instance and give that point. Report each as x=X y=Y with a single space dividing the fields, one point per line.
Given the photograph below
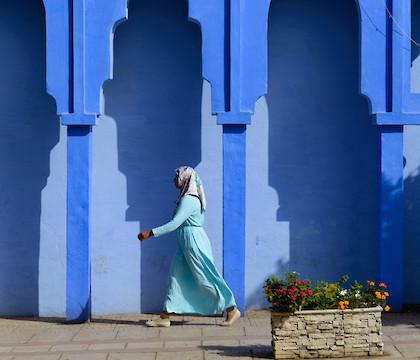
x=327 y=333
x=329 y=320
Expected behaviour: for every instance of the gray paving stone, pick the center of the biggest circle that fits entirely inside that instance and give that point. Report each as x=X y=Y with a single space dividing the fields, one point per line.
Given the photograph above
x=182 y=344
x=180 y=332
x=5 y=349
x=136 y=332
x=224 y=342
x=95 y=334
x=145 y=345
x=54 y=335
x=142 y=356
x=86 y=356
x=223 y=331
x=107 y=346
x=409 y=349
x=258 y=331
x=31 y=348
x=37 y=357
x=391 y=351
x=180 y=355
x=69 y=347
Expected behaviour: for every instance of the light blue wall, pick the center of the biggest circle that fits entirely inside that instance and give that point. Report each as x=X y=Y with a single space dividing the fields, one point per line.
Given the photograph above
x=311 y=158
x=312 y=182
x=154 y=124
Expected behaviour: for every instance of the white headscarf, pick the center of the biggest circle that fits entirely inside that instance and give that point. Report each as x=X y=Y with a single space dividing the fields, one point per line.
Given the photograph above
x=190 y=183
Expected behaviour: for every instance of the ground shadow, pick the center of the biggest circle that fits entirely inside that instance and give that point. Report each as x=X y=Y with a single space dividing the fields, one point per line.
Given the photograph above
x=322 y=143
x=155 y=98
x=29 y=130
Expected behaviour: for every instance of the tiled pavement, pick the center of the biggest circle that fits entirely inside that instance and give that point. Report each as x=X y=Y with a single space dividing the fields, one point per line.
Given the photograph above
x=126 y=338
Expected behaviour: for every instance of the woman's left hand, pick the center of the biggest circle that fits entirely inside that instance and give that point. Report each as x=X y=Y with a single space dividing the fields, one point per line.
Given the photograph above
x=145 y=235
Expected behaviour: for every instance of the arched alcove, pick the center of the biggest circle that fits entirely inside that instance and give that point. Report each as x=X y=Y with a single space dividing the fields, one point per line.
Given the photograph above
x=155 y=105
x=322 y=156
x=29 y=130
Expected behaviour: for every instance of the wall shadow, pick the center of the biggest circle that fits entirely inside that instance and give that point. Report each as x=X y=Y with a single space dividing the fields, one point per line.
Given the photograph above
x=415 y=29
x=412 y=238
x=155 y=98
x=29 y=130
x=322 y=143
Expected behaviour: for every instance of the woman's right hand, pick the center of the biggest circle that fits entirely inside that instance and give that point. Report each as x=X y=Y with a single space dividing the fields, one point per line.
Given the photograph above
x=145 y=235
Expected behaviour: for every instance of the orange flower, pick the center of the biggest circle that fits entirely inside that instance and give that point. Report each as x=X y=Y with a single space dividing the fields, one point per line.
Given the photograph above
x=383 y=297
x=371 y=283
x=343 y=305
x=382 y=285
x=387 y=308
x=378 y=295
x=386 y=293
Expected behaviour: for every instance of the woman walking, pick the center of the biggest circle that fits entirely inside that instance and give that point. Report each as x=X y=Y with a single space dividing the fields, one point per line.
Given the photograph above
x=195 y=286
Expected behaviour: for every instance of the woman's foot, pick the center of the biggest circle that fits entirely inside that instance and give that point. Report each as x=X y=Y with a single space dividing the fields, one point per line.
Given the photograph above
x=231 y=317
x=159 y=322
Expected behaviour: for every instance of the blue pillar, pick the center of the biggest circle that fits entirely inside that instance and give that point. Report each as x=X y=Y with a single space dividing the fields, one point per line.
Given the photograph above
x=79 y=60
x=234 y=194
x=79 y=155
x=391 y=209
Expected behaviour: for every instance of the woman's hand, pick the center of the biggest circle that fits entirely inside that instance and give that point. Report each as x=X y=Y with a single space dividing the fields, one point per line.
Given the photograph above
x=145 y=235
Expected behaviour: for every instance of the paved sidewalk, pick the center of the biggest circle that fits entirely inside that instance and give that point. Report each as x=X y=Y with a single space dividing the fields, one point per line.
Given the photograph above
x=190 y=338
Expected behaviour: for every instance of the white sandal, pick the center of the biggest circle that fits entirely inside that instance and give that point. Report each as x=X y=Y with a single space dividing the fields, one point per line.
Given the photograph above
x=235 y=316
x=158 y=323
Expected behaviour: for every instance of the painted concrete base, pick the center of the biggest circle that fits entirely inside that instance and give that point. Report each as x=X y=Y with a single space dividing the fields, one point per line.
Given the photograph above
x=327 y=333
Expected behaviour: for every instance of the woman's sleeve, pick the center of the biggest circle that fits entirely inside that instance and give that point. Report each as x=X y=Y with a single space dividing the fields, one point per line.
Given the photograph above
x=183 y=212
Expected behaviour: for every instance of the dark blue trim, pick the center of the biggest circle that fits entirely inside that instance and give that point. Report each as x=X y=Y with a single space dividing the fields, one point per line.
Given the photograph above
x=389 y=57
x=234 y=206
x=71 y=56
x=227 y=69
x=79 y=148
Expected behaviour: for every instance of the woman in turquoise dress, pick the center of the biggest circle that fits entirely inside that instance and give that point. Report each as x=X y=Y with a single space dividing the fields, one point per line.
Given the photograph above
x=194 y=284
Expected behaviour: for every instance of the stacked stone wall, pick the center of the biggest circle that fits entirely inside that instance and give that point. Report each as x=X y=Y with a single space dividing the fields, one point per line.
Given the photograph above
x=327 y=333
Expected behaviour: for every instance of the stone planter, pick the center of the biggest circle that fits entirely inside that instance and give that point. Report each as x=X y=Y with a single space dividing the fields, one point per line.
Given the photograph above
x=327 y=333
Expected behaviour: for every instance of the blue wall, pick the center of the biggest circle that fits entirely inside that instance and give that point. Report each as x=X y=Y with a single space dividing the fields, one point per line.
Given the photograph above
x=319 y=173
x=29 y=131
x=312 y=158
x=154 y=125
x=412 y=178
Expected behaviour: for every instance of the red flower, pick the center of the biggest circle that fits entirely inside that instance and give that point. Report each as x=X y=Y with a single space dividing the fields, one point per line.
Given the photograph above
x=278 y=291
x=310 y=292
x=295 y=290
x=302 y=293
x=293 y=298
x=289 y=291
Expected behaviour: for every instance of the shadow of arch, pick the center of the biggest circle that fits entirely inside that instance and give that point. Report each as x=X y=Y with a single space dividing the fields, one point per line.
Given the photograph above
x=30 y=129
x=155 y=99
x=322 y=143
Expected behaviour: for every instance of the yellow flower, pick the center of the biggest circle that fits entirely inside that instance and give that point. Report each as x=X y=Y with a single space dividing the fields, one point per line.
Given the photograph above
x=386 y=293
x=371 y=283
x=378 y=295
x=346 y=302
x=383 y=297
x=387 y=308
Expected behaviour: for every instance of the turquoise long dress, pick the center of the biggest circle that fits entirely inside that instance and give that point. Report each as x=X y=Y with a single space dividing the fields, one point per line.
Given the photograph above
x=194 y=284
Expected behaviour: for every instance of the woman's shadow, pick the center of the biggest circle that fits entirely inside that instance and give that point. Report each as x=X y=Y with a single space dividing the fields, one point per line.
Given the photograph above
x=155 y=98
